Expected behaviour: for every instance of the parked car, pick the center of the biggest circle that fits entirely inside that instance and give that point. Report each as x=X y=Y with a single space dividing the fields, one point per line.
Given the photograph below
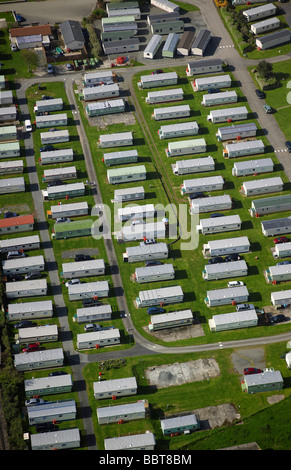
x=196 y=195
x=235 y=284
x=242 y=307
x=8 y=215
x=91 y=303
x=46 y=427
x=267 y=109
x=156 y=72
x=260 y=94
x=278 y=319
x=53 y=129
x=81 y=257
x=213 y=90
x=215 y=260
x=288 y=145
x=50 y=68
x=27 y=125
x=280 y=240
x=19 y=18
x=31 y=347
x=13 y=47
x=151 y=310
x=46 y=148
x=282 y=263
x=61 y=220
x=55 y=183
x=15 y=254
x=71 y=282
x=260 y=310
x=34 y=401
x=57 y=372
x=92 y=327
x=45 y=97
x=216 y=214
x=149 y=241
x=33 y=275
x=232 y=257
x=69 y=67
x=153 y=263
x=24 y=324
x=252 y=370
x=14 y=277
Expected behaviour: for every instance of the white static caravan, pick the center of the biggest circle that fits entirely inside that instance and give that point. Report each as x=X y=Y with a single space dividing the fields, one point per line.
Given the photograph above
x=209 y=183
x=270 y=205
x=145 y=441
x=11 y=167
x=201 y=42
x=121 y=139
x=120 y=413
x=89 y=268
x=30 y=310
x=129 y=194
x=51 y=120
x=266 y=25
x=224 y=270
x=246 y=2
x=165 y=5
x=127 y=174
x=91 y=314
x=120 y=11
x=164 y=272
x=66 y=173
x=214 y=99
x=171 y=320
x=276 y=226
x=153 y=46
x=196 y=165
x=55 y=104
x=218 y=81
x=257 y=13
x=162 y=296
x=241 y=149
x=158 y=80
x=20 y=244
x=288 y=359
x=54 y=137
x=228 y=296
x=210 y=204
x=6 y=97
x=253 y=167
x=44 y=359
x=53 y=411
x=165 y=96
x=19 y=289
x=239 y=131
x=100 y=91
x=226 y=223
x=265 y=186
x=118 y=158
x=226 y=247
x=170 y=46
x=23 y=265
x=183 y=424
x=228 y=114
x=155 y=251
x=119 y=47
x=101 y=108
x=48 y=385
x=88 y=290
x=8 y=133
x=278 y=273
x=186 y=147
x=69 y=210
x=2 y=82
x=146 y=211
x=171 y=112
x=231 y=321
x=115 y=388
x=178 y=130
x=9 y=113
x=282 y=250
x=64 y=191
x=131 y=26
x=93 y=78
x=273 y=39
x=65 y=439
x=281 y=298
x=97 y=339
x=9 y=149
x=204 y=66
x=12 y=185
x=39 y=334
x=141 y=231
x=56 y=156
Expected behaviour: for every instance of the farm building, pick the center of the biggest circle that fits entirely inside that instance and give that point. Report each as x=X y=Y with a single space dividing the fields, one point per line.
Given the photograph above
x=266 y=381
x=22 y=223
x=241 y=149
x=217 y=81
x=48 y=385
x=152 y=47
x=231 y=321
x=6 y=97
x=99 y=92
x=136 y=212
x=228 y=114
x=257 y=13
x=100 y=108
x=69 y=210
x=115 y=388
x=117 y=158
x=54 y=137
x=155 y=251
x=253 y=167
x=8 y=133
x=12 y=185
x=281 y=298
x=276 y=226
x=143 y=442
x=72 y=35
x=89 y=268
x=90 y=314
x=210 y=204
x=23 y=265
x=180 y=424
x=178 y=130
x=230 y=295
x=158 y=80
x=56 y=156
x=166 y=27
x=97 y=339
x=76 y=228
x=204 y=66
x=30 y=310
x=224 y=270
x=214 y=99
x=51 y=120
x=141 y=231
x=185 y=43
x=19 y=289
x=268 y=185
x=119 y=33
x=226 y=247
x=273 y=39
x=39 y=334
x=52 y=411
x=120 y=413
x=171 y=112
x=239 y=131
x=201 y=42
x=170 y=46
x=164 y=96
x=162 y=17
x=270 y=205
x=196 y=165
x=282 y=250
x=9 y=149
x=64 y=439
x=165 y=5
x=129 y=194
x=219 y=224
x=20 y=243
x=93 y=78
x=126 y=174
x=39 y=359
x=278 y=273
x=209 y=183
x=171 y=320
x=164 y=272
x=64 y=191
x=266 y=25
x=88 y=290
x=66 y=173
x=121 y=139
x=161 y=296
x=119 y=47
x=55 y=104
x=11 y=167
x=9 y=113
x=186 y=147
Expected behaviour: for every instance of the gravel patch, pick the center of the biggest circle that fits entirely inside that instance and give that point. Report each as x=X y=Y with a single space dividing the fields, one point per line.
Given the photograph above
x=249 y=357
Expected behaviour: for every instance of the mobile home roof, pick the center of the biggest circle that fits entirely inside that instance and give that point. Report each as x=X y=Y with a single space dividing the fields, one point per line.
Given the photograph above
x=255 y=164
x=171 y=316
x=27 y=307
x=160 y=293
x=201 y=38
x=276 y=223
x=155 y=40
x=276 y=35
x=234 y=317
x=119 y=103
x=217 y=221
x=131 y=170
x=229 y=111
x=54 y=101
x=103 y=386
x=172 y=109
x=123 y=19
x=187 y=143
x=114 y=137
x=120 y=409
x=14 y=221
x=194 y=163
x=171 y=42
x=239 y=128
x=173 y=91
x=179 y=127
x=65 y=187
x=263 y=183
x=159 y=77
x=101 y=75
x=146 y=249
x=205 y=63
x=130 y=442
x=88 y=287
x=39 y=356
x=213 y=79
x=204 y=181
x=51 y=117
x=260 y=9
x=229 y=292
x=226 y=267
x=272 y=201
x=19 y=241
x=98 y=335
x=228 y=242
x=249 y=144
x=155 y=270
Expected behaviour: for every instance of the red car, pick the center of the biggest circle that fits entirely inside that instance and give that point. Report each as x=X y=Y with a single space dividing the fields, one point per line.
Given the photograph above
x=280 y=240
x=252 y=370
x=31 y=347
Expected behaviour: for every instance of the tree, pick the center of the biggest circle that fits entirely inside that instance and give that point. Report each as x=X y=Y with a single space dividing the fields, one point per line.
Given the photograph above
x=265 y=69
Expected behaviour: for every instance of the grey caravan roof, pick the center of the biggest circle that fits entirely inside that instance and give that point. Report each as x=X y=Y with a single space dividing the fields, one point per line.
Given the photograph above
x=234 y=317
x=146 y=249
x=72 y=31
x=228 y=242
x=179 y=126
x=47 y=409
x=201 y=38
x=120 y=409
x=205 y=63
x=155 y=270
x=19 y=241
x=162 y=292
x=239 y=128
x=171 y=42
x=226 y=267
x=56 y=437
x=264 y=378
x=117 y=136
x=179 y=421
x=163 y=16
x=159 y=77
x=126 y=383
x=47 y=382
x=276 y=35
x=283 y=222
x=229 y=292
x=254 y=164
x=39 y=356
x=130 y=442
x=27 y=307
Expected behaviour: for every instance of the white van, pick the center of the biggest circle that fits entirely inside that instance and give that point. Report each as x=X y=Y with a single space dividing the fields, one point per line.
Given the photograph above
x=28 y=126
x=235 y=284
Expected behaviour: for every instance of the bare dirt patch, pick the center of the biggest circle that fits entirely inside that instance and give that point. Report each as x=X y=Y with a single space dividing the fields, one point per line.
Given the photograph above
x=248 y=357
x=176 y=334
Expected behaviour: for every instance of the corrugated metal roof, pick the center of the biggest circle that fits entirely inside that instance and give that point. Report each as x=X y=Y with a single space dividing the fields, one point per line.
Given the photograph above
x=72 y=31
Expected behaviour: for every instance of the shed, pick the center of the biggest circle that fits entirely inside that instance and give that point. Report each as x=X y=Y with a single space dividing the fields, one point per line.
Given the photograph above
x=227 y=296
x=155 y=251
x=209 y=183
x=99 y=92
x=115 y=388
x=30 y=310
x=97 y=339
x=170 y=46
x=266 y=25
x=121 y=413
x=201 y=42
x=9 y=113
x=165 y=96
x=146 y=211
x=267 y=381
x=89 y=268
x=8 y=133
x=11 y=167
x=88 y=290
x=141 y=231
x=178 y=130
x=214 y=99
x=64 y=191
x=252 y=14
x=54 y=137
x=269 y=205
x=171 y=320
x=224 y=270
x=91 y=314
x=12 y=185
x=19 y=289
x=253 y=167
x=210 y=204
x=48 y=385
x=69 y=210
x=55 y=104
x=118 y=47
x=231 y=321
x=264 y=186
x=204 y=66
x=180 y=424
x=170 y=26
x=126 y=174
x=171 y=112
x=241 y=149
x=240 y=131
x=186 y=147
x=22 y=223
x=185 y=43
x=160 y=296
x=226 y=223
x=120 y=139
x=56 y=156
x=226 y=246
x=228 y=114
x=20 y=244
x=153 y=46
x=195 y=165
x=164 y=272
x=6 y=97
x=143 y=441
x=64 y=439
x=100 y=108
x=44 y=359
x=23 y=265
x=166 y=5
x=76 y=228
x=282 y=297
x=216 y=81
x=66 y=173
x=129 y=194
x=51 y=120
x=276 y=226
x=273 y=39
x=9 y=149
x=72 y=35
x=158 y=80
x=118 y=158
x=39 y=334
x=52 y=411
x=93 y=78
x=282 y=250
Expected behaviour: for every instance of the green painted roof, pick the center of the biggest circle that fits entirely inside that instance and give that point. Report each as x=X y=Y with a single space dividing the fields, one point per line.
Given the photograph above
x=75 y=225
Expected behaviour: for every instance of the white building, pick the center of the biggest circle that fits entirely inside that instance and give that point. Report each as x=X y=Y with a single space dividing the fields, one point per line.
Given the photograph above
x=241 y=149
x=69 y=210
x=136 y=212
x=144 y=441
x=158 y=80
x=120 y=139
x=195 y=165
x=129 y=194
x=231 y=321
x=209 y=183
x=162 y=296
x=264 y=186
x=171 y=320
x=43 y=359
x=186 y=147
x=228 y=296
x=88 y=290
x=54 y=137
x=164 y=96
x=164 y=272
x=228 y=114
x=171 y=112
x=20 y=243
x=210 y=204
x=253 y=167
x=12 y=185
x=214 y=99
x=126 y=174
x=56 y=156
x=91 y=314
x=115 y=388
x=89 y=268
x=19 y=289
x=276 y=227
x=178 y=130
x=120 y=413
x=165 y=5
x=240 y=131
x=204 y=66
x=226 y=246
x=252 y=14
x=266 y=25
x=30 y=310
x=201 y=42
x=142 y=231
x=155 y=251
x=281 y=298
x=118 y=158
x=273 y=39
x=153 y=46
x=23 y=265
x=225 y=270
x=226 y=223
x=217 y=81
x=97 y=339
